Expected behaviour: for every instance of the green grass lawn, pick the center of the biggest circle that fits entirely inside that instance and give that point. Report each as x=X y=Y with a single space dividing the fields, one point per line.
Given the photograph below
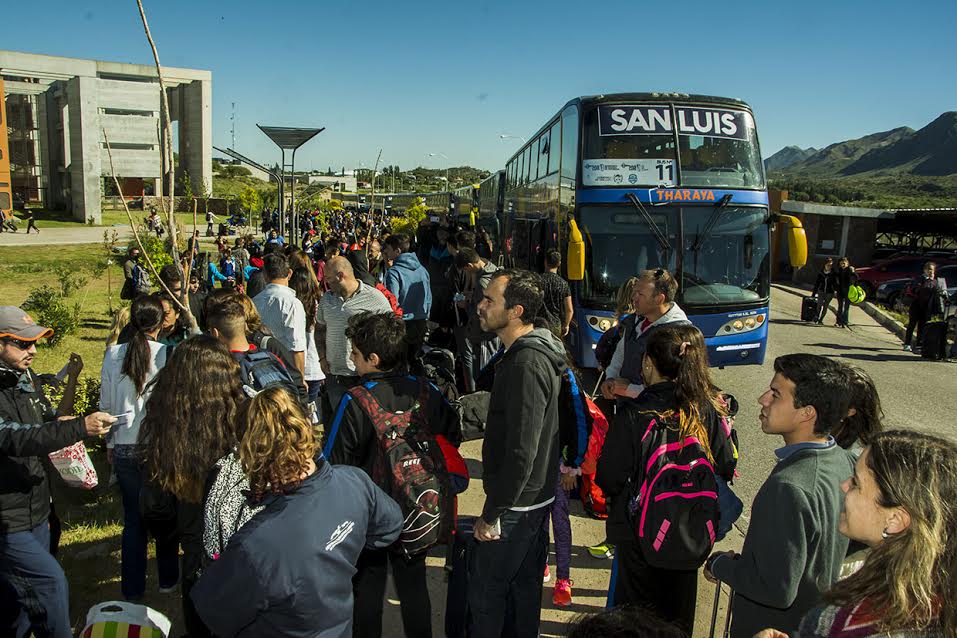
x=90 y=545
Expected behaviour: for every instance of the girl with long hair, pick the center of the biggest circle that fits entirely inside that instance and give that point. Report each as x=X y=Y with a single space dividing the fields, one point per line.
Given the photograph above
x=125 y=376
x=900 y=502
x=303 y=282
x=191 y=422
x=288 y=570
x=679 y=400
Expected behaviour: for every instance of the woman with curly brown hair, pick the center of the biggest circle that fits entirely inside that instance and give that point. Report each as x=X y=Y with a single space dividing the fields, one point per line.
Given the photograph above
x=288 y=570
x=900 y=502
x=190 y=423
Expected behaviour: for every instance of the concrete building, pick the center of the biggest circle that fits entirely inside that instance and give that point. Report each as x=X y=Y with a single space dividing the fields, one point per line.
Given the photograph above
x=338 y=183
x=832 y=231
x=58 y=109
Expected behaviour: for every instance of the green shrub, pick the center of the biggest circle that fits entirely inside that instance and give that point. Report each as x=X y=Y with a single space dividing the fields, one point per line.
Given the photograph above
x=87 y=400
x=49 y=307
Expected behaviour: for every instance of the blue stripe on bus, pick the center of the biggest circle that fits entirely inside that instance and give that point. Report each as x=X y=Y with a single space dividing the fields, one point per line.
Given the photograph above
x=649 y=196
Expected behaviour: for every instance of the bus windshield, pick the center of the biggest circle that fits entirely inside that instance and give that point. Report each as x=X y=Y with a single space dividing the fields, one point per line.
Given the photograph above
x=636 y=146
x=723 y=252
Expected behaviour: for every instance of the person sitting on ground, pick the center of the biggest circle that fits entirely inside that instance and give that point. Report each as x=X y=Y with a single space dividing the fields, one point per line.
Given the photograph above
x=379 y=354
x=899 y=503
x=288 y=571
x=796 y=512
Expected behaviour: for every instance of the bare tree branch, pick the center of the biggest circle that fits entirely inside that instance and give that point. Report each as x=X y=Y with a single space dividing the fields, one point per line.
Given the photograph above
x=371 y=201
x=136 y=234
x=168 y=138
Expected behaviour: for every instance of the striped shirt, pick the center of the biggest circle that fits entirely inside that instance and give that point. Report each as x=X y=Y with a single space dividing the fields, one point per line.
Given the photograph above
x=334 y=312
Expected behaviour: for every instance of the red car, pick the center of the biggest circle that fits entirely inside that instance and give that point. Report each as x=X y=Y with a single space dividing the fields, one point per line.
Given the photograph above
x=870 y=277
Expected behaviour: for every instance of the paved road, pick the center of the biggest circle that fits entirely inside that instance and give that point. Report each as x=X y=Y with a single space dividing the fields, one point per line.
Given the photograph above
x=61 y=236
x=915 y=394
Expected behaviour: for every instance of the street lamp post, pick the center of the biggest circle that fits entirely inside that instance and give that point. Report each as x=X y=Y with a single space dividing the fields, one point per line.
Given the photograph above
x=448 y=186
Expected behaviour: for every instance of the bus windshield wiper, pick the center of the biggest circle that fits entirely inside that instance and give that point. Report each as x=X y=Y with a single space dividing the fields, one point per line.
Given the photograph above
x=702 y=237
x=660 y=236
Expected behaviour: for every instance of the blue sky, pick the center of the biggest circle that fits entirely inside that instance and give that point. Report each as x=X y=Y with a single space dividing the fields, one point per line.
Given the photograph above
x=416 y=78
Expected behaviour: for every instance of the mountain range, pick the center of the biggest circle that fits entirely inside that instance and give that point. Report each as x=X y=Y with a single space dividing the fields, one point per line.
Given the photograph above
x=930 y=151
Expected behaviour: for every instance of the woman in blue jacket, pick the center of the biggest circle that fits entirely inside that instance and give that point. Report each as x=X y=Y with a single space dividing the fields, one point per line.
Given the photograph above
x=288 y=571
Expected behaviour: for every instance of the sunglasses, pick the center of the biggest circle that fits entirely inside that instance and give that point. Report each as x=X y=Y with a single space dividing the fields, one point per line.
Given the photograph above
x=19 y=343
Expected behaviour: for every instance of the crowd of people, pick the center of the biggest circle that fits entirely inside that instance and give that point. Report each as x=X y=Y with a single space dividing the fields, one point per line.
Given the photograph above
x=269 y=413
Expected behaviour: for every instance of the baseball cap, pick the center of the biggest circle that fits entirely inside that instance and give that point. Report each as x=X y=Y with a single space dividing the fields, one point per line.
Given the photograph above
x=19 y=325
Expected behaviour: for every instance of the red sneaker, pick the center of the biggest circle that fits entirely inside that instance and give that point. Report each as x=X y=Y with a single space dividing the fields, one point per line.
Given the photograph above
x=563 y=593
x=548 y=574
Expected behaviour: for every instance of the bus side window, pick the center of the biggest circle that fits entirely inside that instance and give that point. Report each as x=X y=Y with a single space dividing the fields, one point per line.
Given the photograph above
x=570 y=142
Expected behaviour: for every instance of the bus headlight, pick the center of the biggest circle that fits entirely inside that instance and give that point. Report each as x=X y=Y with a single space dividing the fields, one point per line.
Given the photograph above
x=738 y=326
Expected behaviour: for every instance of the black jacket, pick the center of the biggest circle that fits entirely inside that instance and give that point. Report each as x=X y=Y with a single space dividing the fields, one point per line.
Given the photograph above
x=521 y=446
x=619 y=460
x=352 y=437
x=826 y=283
x=29 y=430
x=844 y=278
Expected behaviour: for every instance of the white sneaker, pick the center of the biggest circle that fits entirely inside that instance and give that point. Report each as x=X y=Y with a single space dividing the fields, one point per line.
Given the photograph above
x=907 y=348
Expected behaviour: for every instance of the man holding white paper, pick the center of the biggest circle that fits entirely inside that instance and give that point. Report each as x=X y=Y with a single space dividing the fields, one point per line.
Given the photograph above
x=29 y=429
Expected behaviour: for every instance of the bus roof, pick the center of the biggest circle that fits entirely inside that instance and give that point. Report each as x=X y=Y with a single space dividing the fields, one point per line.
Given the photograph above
x=614 y=98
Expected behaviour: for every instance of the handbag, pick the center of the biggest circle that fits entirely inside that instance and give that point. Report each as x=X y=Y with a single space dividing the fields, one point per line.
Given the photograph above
x=74 y=466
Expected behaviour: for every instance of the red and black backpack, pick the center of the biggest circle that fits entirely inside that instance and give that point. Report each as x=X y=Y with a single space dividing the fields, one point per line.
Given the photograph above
x=422 y=471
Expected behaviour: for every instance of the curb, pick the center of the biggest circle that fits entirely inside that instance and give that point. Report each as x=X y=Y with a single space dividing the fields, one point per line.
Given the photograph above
x=881 y=317
x=873 y=310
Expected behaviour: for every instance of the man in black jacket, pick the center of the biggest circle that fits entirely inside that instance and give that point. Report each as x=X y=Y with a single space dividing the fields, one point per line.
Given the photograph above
x=519 y=461
x=29 y=430
x=380 y=356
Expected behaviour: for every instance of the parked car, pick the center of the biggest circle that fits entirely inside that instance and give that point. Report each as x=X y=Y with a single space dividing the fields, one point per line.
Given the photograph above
x=892 y=293
x=870 y=277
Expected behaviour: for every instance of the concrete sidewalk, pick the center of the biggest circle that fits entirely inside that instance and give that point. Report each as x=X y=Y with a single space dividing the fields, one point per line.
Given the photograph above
x=61 y=236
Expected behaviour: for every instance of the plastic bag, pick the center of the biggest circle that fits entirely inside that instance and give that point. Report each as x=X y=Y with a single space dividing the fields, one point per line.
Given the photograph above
x=120 y=619
x=75 y=467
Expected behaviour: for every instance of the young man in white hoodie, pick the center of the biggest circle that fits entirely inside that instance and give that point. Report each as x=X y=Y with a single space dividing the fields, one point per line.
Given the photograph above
x=655 y=307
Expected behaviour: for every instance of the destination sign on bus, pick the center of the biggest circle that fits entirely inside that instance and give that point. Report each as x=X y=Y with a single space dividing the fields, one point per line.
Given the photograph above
x=628 y=172
x=657 y=120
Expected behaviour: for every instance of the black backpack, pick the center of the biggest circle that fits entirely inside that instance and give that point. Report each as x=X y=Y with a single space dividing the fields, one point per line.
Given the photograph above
x=673 y=501
x=262 y=370
x=410 y=461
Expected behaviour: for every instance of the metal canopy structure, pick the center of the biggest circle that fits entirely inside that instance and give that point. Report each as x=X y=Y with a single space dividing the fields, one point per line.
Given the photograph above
x=289 y=138
x=242 y=158
x=919 y=228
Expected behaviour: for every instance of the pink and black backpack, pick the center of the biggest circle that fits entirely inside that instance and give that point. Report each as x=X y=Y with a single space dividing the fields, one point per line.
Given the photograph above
x=673 y=505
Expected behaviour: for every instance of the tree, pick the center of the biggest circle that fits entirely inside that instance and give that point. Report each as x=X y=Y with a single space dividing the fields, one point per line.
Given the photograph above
x=408 y=222
x=250 y=199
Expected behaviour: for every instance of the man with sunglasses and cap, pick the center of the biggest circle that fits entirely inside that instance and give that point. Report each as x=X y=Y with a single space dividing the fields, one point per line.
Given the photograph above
x=30 y=429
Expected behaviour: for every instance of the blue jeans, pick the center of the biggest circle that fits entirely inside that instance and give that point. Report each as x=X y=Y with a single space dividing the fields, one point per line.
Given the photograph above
x=25 y=556
x=129 y=475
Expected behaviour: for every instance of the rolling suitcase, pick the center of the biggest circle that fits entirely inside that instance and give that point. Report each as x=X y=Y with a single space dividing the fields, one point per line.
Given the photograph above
x=809 y=309
x=934 y=340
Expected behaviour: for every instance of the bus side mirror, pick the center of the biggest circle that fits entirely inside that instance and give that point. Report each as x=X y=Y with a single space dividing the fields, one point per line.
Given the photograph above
x=472 y=219
x=575 y=259
x=797 y=240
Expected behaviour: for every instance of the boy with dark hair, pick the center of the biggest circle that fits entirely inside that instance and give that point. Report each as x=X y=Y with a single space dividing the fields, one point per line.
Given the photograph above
x=793 y=551
x=379 y=355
